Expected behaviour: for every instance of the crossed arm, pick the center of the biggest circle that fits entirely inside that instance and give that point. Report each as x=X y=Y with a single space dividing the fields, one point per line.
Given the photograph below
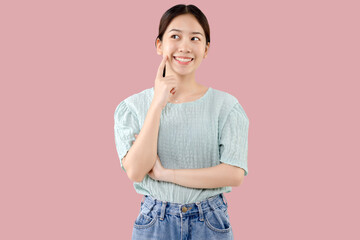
x=213 y=177
x=221 y=175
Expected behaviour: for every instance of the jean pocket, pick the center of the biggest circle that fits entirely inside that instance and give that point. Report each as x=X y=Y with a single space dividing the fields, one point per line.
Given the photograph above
x=218 y=219
x=145 y=219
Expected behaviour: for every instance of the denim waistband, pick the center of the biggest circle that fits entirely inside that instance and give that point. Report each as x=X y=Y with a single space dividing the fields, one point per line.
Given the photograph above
x=201 y=207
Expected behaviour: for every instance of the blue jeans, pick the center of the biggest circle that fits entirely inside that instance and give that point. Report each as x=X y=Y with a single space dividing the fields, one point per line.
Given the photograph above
x=160 y=220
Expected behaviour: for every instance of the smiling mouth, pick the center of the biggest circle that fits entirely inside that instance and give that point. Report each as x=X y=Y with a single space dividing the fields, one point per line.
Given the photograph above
x=183 y=62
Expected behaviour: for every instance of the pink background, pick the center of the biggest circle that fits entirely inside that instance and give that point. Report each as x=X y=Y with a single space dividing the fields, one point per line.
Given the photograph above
x=65 y=66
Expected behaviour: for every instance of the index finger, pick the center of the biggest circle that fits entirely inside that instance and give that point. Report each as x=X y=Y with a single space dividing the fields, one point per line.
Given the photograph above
x=162 y=65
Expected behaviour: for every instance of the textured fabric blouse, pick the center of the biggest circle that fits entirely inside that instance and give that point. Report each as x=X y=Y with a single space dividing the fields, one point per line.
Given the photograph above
x=197 y=134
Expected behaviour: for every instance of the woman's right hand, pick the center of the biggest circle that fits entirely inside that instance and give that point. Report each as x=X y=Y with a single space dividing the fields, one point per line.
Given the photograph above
x=164 y=87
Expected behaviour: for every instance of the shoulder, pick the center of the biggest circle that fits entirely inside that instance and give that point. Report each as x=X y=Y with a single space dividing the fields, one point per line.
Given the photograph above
x=224 y=98
x=229 y=106
x=140 y=97
x=224 y=101
x=137 y=100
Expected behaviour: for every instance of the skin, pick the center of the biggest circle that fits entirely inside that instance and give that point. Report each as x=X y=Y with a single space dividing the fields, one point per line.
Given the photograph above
x=184 y=44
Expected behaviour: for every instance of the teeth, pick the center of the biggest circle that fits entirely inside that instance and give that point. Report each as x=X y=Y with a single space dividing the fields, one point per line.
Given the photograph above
x=183 y=59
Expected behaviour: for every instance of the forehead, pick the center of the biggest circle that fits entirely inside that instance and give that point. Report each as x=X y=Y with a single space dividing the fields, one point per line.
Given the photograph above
x=186 y=23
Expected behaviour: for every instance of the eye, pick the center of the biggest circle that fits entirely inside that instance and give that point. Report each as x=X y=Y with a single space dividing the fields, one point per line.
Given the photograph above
x=177 y=36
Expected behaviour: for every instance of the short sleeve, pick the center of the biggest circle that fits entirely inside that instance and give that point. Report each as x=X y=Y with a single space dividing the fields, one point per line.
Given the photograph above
x=126 y=126
x=233 y=144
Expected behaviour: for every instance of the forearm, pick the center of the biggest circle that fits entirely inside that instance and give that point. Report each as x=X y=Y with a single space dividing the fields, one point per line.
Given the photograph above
x=213 y=177
x=142 y=155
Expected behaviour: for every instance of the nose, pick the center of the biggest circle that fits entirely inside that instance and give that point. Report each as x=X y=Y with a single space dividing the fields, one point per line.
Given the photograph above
x=184 y=46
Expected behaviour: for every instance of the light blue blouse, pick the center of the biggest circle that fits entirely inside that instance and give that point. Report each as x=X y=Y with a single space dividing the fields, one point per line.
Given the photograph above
x=197 y=134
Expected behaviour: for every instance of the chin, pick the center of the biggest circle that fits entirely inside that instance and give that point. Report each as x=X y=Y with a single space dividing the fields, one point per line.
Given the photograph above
x=184 y=73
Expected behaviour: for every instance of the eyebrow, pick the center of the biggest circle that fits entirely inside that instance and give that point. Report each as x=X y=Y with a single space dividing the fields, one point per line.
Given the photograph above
x=177 y=30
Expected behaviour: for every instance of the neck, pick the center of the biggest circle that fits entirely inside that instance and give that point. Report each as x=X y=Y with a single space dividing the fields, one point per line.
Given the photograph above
x=186 y=85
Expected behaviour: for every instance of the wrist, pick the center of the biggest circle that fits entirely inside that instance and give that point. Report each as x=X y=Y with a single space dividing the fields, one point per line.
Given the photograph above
x=169 y=175
x=156 y=106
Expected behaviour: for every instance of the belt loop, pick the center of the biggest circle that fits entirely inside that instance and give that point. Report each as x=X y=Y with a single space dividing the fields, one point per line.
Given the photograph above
x=152 y=202
x=142 y=200
x=224 y=199
x=180 y=211
x=163 y=206
x=198 y=204
x=211 y=203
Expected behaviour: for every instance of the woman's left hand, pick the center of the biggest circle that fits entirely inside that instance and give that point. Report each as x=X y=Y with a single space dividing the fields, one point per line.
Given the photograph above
x=157 y=172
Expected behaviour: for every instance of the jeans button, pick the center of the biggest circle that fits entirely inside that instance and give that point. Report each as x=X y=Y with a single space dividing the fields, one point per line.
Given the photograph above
x=185 y=209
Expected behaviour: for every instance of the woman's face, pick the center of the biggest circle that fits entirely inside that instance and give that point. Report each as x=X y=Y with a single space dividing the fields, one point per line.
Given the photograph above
x=179 y=40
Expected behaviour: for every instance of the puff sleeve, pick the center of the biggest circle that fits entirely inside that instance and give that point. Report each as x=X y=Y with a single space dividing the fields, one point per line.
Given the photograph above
x=233 y=143
x=126 y=126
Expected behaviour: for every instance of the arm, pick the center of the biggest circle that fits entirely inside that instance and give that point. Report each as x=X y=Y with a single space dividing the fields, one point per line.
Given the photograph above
x=213 y=177
x=142 y=155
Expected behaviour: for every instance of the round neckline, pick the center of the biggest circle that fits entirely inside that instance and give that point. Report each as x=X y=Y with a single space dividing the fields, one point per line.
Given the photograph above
x=187 y=103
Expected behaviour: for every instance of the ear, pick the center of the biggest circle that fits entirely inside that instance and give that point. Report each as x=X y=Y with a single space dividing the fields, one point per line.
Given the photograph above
x=206 y=50
x=159 y=47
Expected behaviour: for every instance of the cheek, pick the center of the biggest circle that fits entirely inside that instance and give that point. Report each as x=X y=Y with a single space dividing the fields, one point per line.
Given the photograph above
x=169 y=47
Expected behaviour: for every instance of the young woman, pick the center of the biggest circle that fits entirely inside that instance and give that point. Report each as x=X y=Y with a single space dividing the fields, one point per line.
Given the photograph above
x=191 y=140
